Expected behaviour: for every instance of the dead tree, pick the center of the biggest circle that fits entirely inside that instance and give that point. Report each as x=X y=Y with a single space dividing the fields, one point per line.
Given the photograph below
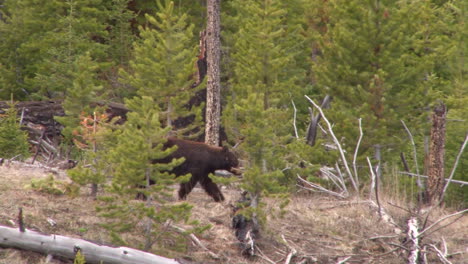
x=435 y=182
x=314 y=121
x=213 y=88
x=66 y=247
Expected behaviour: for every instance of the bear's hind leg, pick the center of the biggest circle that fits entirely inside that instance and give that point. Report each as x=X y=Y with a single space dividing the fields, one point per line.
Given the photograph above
x=212 y=189
x=187 y=187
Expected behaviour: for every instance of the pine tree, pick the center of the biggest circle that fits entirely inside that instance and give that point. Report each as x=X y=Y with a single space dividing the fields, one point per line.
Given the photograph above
x=71 y=38
x=265 y=80
x=41 y=41
x=84 y=90
x=380 y=62
x=139 y=142
x=454 y=15
x=163 y=64
x=13 y=140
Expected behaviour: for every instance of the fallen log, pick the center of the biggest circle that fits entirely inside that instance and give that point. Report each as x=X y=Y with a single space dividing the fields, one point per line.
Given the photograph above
x=66 y=247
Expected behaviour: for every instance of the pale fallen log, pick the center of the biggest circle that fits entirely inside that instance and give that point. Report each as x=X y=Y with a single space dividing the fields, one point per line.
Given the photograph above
x=413 y=234
x=66 y=247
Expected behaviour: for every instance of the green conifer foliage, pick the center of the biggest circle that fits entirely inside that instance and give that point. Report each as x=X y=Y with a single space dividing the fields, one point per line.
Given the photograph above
x=164 y=63
x=264 y=52
x=85 y=89
x=457 y=100
x=120 y=37
x=379 y=60
x=13 y=140
x=139 y=142
x=41 y=41
x=265 y=79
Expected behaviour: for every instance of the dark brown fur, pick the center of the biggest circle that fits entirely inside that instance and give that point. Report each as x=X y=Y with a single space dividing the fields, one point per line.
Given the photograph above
x=200 y=160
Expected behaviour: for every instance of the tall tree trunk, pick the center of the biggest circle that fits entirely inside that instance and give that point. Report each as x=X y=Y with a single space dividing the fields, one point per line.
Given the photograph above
x=213 y=91
x=435 y=182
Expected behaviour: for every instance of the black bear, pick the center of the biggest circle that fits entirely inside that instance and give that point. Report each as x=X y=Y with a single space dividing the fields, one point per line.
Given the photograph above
x=200 y=160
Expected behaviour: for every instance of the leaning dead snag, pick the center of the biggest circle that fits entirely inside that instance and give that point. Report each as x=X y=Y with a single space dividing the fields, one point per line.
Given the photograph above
x=435 y=182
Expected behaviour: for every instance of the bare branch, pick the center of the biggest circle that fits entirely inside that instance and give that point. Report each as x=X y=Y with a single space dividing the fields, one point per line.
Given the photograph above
x=419 y=182
x=440 y=254
x=294 y=120
x=374 y=187
x=424 y=176
x=452 y=173
x=292 y=252
x=343 y=157
x=316 y=187
x=195 y=240
x=442 y=219
x=343 y=260
x=357 y=149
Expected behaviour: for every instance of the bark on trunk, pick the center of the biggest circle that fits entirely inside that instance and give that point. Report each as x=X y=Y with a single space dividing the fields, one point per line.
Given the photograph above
x=435 y=183
x=66 y=247
x=213 y=100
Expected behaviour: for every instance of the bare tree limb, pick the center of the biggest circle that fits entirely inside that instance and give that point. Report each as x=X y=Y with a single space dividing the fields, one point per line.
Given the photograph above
x=357 y=149
x=294 y=120
x=196 y=241
x=442 y=256
x=403 y=159
x=343 y=260
x=314 y=121
x=419 y=182
x=442 y=219
x=374 y=187
x=424 y=176
x=455 y=165
x=335 y=140
x=316 y=187
x=292 y=252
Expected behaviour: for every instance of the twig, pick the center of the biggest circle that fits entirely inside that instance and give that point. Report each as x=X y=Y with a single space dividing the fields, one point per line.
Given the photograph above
x=357 y=149
x=386 y=217
x=399 y=207
x=294 y=120
x=319 y=188
x=441 y=255
x=444 y=226
x=442 y=219
x=263 y=256
x=196 y=241
x=424 y=176
x=419 y=182
x=343 y=157
x=343 y=260
x=292 y=252
x=452 y=173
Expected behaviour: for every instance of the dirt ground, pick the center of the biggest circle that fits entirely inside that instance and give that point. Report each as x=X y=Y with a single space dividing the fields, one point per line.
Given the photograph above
x=313 y=229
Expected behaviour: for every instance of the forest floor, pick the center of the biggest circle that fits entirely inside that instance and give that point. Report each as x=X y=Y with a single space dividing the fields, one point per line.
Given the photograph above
x=313 y=228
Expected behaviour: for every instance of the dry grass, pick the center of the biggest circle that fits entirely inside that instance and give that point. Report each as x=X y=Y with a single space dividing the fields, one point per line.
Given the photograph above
x=320 y=229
